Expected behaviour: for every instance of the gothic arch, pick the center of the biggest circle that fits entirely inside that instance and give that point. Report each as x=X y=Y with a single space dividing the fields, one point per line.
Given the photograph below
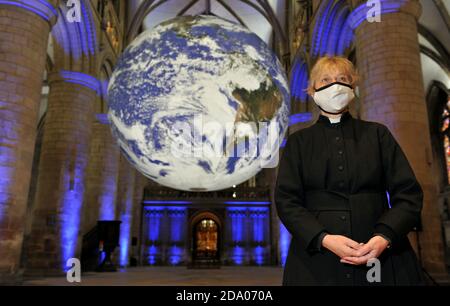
x=437 y=97
x=104 y=71
x=299 y=77
x=442 y=57
x=197 y=217
x=205 y=214
x=106 y=58
x=263 y=8
x=332 y=33
x=75 y=43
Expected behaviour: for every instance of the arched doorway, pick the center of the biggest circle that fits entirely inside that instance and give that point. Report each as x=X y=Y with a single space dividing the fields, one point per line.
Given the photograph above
x=206 y=240
x=206 y=233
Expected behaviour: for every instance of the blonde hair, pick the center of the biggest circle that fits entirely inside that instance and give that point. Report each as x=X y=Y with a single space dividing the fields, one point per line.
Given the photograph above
x=327 y=63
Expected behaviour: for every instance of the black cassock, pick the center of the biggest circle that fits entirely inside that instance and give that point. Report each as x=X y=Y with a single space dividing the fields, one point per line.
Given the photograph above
x=334 y=177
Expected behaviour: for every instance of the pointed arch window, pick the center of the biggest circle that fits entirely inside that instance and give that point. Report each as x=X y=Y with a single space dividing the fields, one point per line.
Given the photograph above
x=445 y=130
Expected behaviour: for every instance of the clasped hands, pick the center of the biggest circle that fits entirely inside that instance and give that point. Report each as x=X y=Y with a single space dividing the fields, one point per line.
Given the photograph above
x=352 y=252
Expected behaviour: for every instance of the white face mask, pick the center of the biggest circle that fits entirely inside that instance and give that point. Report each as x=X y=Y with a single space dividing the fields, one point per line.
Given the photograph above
x=334 y=98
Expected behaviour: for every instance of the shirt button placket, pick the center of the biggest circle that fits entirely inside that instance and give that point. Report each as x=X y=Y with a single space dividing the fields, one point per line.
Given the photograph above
x=340 y=158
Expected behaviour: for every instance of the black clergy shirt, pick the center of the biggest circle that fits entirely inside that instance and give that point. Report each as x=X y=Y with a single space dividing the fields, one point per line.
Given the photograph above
x=338 y=180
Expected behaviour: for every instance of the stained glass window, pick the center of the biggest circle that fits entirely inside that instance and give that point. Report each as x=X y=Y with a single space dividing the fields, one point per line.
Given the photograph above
x=446 y=133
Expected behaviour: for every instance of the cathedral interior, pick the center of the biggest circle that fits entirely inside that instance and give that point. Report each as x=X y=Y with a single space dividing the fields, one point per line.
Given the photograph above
x=61 y=170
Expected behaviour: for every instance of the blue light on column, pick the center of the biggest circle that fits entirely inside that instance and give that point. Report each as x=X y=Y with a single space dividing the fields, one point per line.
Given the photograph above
x=81 y=79
x=73 y=180
x=175 y=255
x=154 y=215
x=237 y=224
x=333 y=33
x=177 y=223
x=258 y=216
x=337 y=25
x=300 y=118
x=76 y=38
x=238 y=255
x=88 y=32
x=319 y=29
x=107 y=208
x=153 y=252
x=326 y=24
x=70 y=214
x=259 y=219
x=258 y=254
x=359 y=14
x=299 y=81
x=124 y=240
x=154 y=225
x=285 y=238
x=6 y=176
x=8 y=158
x=177 y=229
x=345 y=39
x=237 y=216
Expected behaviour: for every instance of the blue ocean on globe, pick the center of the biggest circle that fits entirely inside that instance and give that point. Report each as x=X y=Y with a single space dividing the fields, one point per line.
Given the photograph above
x=199 y=103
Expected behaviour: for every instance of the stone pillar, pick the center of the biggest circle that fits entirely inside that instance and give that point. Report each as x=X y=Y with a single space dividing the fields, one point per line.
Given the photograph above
x=124 y=210
x=102 y=175
x=138 y=194
x=275 y=224
x=392 y=93
x=55 y=231
x=24 y=31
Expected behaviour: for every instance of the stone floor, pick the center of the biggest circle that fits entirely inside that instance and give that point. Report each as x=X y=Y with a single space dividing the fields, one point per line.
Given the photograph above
x=180 y=276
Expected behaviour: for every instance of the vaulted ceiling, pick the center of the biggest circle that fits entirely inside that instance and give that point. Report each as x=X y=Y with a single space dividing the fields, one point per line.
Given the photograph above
x=235 y=10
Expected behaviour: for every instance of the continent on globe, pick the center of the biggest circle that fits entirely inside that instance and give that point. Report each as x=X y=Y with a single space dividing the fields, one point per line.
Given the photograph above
x=199 y=103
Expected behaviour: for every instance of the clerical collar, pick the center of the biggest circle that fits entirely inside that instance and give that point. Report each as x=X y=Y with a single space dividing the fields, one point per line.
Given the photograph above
x=344 y=117
x=335 y=120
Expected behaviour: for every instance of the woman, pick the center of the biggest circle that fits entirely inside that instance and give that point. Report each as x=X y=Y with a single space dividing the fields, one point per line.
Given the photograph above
x=331 y=193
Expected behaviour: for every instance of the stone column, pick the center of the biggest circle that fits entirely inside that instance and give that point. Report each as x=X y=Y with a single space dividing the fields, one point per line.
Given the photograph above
x=392 y=93
x=24 y=31
x=102 y=175
x=124 y=210
x=139 y=185
x=55 y=232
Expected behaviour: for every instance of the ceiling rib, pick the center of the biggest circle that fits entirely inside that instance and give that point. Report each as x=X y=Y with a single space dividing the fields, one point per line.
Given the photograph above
x=263 y=8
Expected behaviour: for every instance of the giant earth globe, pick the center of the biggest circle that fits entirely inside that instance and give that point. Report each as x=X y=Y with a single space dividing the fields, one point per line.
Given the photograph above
x=199 y=103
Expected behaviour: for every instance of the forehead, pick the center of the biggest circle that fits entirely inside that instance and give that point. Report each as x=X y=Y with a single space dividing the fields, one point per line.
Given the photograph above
x=332 y=71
